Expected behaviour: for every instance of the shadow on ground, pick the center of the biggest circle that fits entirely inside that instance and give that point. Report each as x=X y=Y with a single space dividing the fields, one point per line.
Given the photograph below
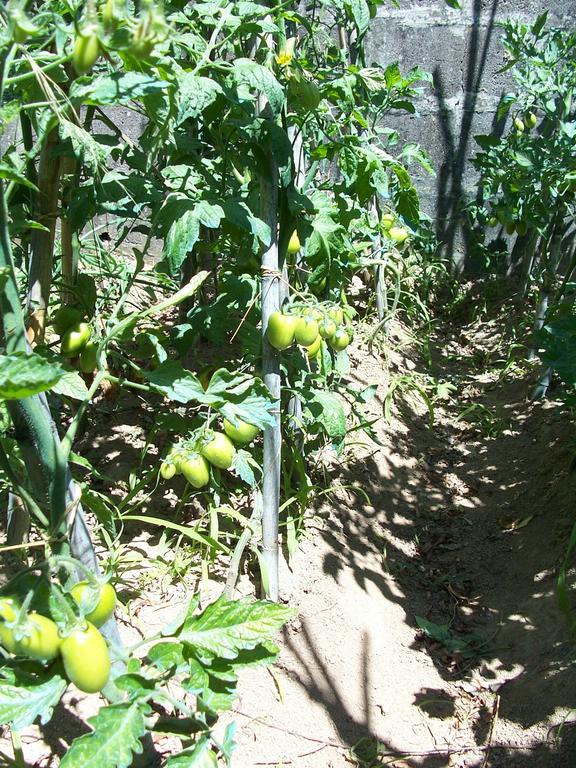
x=473 y=527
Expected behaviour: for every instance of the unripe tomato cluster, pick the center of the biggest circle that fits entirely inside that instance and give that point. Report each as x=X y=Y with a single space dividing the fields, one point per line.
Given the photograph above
x=146 y=31
x=192 y=458
x=510 y=220
x=75 y=337
x=308 y=325
x=393 y=230
x=83 y=650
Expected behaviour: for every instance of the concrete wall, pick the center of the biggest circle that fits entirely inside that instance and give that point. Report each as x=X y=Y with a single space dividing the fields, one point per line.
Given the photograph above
x=462 y=50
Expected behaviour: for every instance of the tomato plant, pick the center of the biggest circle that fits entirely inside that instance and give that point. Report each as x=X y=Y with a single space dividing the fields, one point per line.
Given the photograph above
x=239 y=108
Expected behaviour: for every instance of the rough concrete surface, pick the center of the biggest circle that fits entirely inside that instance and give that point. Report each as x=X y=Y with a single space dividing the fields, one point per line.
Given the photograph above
x=463 y=52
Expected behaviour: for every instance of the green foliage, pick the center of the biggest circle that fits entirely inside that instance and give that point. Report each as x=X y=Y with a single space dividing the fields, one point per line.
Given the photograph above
x=527 y=174
x=202 y=652
x=225 y=95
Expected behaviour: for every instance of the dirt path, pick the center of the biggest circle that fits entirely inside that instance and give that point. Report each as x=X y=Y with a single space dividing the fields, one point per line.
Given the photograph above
x=464 y=527
x=428 y=633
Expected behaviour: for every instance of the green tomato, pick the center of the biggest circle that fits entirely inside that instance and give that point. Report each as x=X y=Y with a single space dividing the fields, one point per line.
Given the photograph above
x=313 y=350
x=242 y=433
x=75 y=339
x=530 y=120
x=521 y=228
x=387 y=221
x=306 y=331
x=65 y=317
x=86 y=659
x=510 y=227
x=88 y=357
x=195 y=469
x=336 y=314
x=9 y=608
x=313 y=312
x=519 y=124
x=104 y=607
x=86 y=50
x=340 y=340
x=303 y=95
x=167 y=470
x=294 y=244
x=41 y=640
x=7 y=639
x=398 y=235
x=280 y=330
x=219 y=450
x=327 y=328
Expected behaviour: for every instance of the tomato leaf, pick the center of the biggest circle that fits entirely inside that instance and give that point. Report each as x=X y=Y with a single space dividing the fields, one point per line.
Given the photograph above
x=326 y=408
x=236 y=396
x=22 y=702
x=24 y=375
x=259 y=78
x=201 y=756
x=242 y=461
x=117 y=88
x=114 y=741
x=71 y=385
x=195 y=94
x=227 y=627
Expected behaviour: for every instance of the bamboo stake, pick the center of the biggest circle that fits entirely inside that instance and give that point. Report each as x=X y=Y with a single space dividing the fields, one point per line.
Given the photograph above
x=270 y=292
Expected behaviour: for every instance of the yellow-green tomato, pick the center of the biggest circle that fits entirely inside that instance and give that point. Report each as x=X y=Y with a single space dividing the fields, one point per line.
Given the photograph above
x=313 y=312
x=86 y=659
x=75 y=339
x=195 y=469
x=336 y=314
x=398 y=235
x=327 y=328
x=242 y=433
x=388 y=220
x=105 y=605
x=280 y=330
x=7 y=639
x=167 y=470
x=41 y=640
x=519 y=124
x=294 y=243
x=530 y=120
x=306 y=331
x=340 y=340
x=219 y=450
x=313 y=350
x=86 y=50
x=9 y=608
